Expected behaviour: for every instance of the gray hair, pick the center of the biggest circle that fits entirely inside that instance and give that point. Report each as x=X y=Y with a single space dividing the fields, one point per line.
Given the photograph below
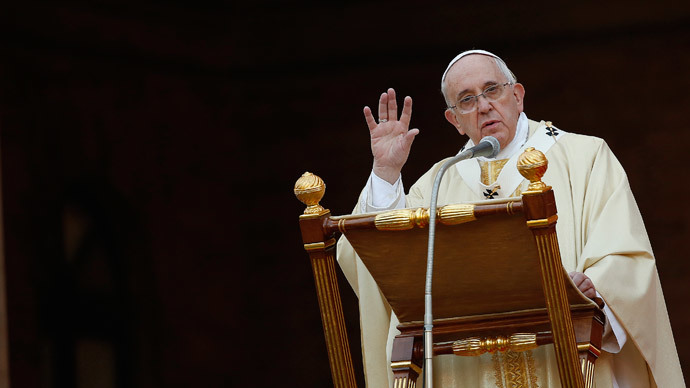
x=502 y=67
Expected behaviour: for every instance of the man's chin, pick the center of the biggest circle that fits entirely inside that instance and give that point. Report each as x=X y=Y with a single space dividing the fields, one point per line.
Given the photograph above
x=498 y=135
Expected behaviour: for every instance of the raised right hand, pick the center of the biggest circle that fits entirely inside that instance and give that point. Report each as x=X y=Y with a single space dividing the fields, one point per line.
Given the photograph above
x=391 y=138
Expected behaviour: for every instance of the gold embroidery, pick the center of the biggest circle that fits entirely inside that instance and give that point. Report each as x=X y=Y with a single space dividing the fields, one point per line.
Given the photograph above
x=515 y=370
x=498 y=374
x=491 y=169
x=532 y=370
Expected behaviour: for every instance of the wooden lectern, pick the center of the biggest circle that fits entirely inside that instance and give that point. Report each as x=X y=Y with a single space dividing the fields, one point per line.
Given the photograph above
x=482 y=301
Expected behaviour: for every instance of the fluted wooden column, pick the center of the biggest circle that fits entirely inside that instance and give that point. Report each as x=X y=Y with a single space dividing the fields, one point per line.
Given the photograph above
x=588 y=356
x=540 y=211
x=321 y=249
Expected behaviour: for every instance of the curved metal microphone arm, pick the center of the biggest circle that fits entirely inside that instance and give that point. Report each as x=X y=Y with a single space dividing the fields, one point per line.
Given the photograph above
x=489 y=147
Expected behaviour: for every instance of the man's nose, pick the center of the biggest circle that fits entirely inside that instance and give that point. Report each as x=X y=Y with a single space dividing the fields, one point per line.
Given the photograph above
x=483 y=104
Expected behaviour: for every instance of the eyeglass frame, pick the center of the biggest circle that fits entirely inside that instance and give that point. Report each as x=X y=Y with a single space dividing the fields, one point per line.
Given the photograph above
x=483 y=93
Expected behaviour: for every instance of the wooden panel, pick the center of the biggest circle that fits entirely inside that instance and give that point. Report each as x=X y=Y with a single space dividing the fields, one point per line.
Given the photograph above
x=463 y=271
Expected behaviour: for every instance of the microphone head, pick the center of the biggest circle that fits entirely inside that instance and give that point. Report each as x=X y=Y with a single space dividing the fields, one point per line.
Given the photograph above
x=495 y=146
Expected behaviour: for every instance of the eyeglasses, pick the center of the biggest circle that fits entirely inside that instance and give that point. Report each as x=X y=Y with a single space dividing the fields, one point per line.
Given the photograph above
x=468 y=104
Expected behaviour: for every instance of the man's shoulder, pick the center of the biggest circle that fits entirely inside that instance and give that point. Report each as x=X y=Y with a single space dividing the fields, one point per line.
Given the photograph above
x=580 y=140
x=569 y=139
x=534 y=125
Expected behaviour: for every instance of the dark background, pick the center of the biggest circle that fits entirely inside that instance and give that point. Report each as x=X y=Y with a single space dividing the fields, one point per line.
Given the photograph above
x=150 y=148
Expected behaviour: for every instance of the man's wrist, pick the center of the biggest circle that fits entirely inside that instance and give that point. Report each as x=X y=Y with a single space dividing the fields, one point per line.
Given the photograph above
x=388 y=174
x=381 y=195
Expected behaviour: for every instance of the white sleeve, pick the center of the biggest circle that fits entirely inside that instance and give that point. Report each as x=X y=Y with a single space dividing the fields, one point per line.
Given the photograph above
x=381 y=195
x=614 y=336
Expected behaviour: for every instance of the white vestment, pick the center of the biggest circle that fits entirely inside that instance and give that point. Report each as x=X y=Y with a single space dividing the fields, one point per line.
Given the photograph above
x=600 y=232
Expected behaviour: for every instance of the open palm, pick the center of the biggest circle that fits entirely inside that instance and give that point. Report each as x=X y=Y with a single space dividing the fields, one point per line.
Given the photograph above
x=391 y=138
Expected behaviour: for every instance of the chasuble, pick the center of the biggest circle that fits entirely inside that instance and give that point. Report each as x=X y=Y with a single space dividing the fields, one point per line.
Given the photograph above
x=600 y=232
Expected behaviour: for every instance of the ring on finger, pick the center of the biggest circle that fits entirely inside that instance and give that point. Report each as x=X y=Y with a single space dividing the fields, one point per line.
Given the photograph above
x=383 y=121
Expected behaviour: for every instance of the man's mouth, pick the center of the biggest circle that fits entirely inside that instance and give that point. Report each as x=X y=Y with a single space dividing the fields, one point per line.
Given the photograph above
x=490 y=124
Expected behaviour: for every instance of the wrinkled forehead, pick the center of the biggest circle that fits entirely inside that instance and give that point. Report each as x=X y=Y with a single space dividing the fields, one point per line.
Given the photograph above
x=472 y=71
x=464 y=54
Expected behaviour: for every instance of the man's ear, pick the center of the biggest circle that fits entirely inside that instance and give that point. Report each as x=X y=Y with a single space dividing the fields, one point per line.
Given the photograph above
x=450 y=116
x=519 y=93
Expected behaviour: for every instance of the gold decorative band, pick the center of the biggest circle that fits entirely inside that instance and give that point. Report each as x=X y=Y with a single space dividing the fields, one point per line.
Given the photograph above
x=421 y=217
x=319 y=245
x=406 y=364
x=403 y=382
x=587 y=347
x=402 y=219
x=542 y=221
x=456 y=214
x=405 y=219
x=341 y=225
x=475 y=346
x=536 y=188
x=509 y=208
x=587 y=372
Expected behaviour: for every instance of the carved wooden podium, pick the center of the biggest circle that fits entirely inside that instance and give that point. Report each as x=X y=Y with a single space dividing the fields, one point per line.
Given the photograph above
x=483 y=301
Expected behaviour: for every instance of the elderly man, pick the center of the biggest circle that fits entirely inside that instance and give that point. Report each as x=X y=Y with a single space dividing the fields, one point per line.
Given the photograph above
x=602 y=238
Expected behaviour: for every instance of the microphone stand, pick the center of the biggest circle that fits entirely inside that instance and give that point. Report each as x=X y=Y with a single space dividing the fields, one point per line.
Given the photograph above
x=488 y=146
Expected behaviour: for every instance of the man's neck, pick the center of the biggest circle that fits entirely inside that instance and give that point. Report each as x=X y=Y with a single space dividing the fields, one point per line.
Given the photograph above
x=521 y=134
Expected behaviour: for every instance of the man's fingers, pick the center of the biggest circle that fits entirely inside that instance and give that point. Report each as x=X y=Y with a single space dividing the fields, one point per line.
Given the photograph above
x=408 y=138
x=371 y=122
x=589 y=291
x=407 y=111
x=584 y=284
x=383 y=106
x=392 y=105
x=577 y=278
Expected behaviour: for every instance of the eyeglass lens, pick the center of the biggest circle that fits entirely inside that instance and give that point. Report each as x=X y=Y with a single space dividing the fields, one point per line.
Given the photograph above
x=492 y=93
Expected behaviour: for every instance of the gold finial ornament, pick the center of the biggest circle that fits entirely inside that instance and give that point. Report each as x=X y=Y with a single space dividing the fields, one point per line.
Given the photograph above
x=402 y=219
x=532 y=164
x=309 y=189
x=475 y=346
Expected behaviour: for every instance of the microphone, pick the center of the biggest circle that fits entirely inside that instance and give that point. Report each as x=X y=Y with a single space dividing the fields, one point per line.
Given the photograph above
x=488 y=147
